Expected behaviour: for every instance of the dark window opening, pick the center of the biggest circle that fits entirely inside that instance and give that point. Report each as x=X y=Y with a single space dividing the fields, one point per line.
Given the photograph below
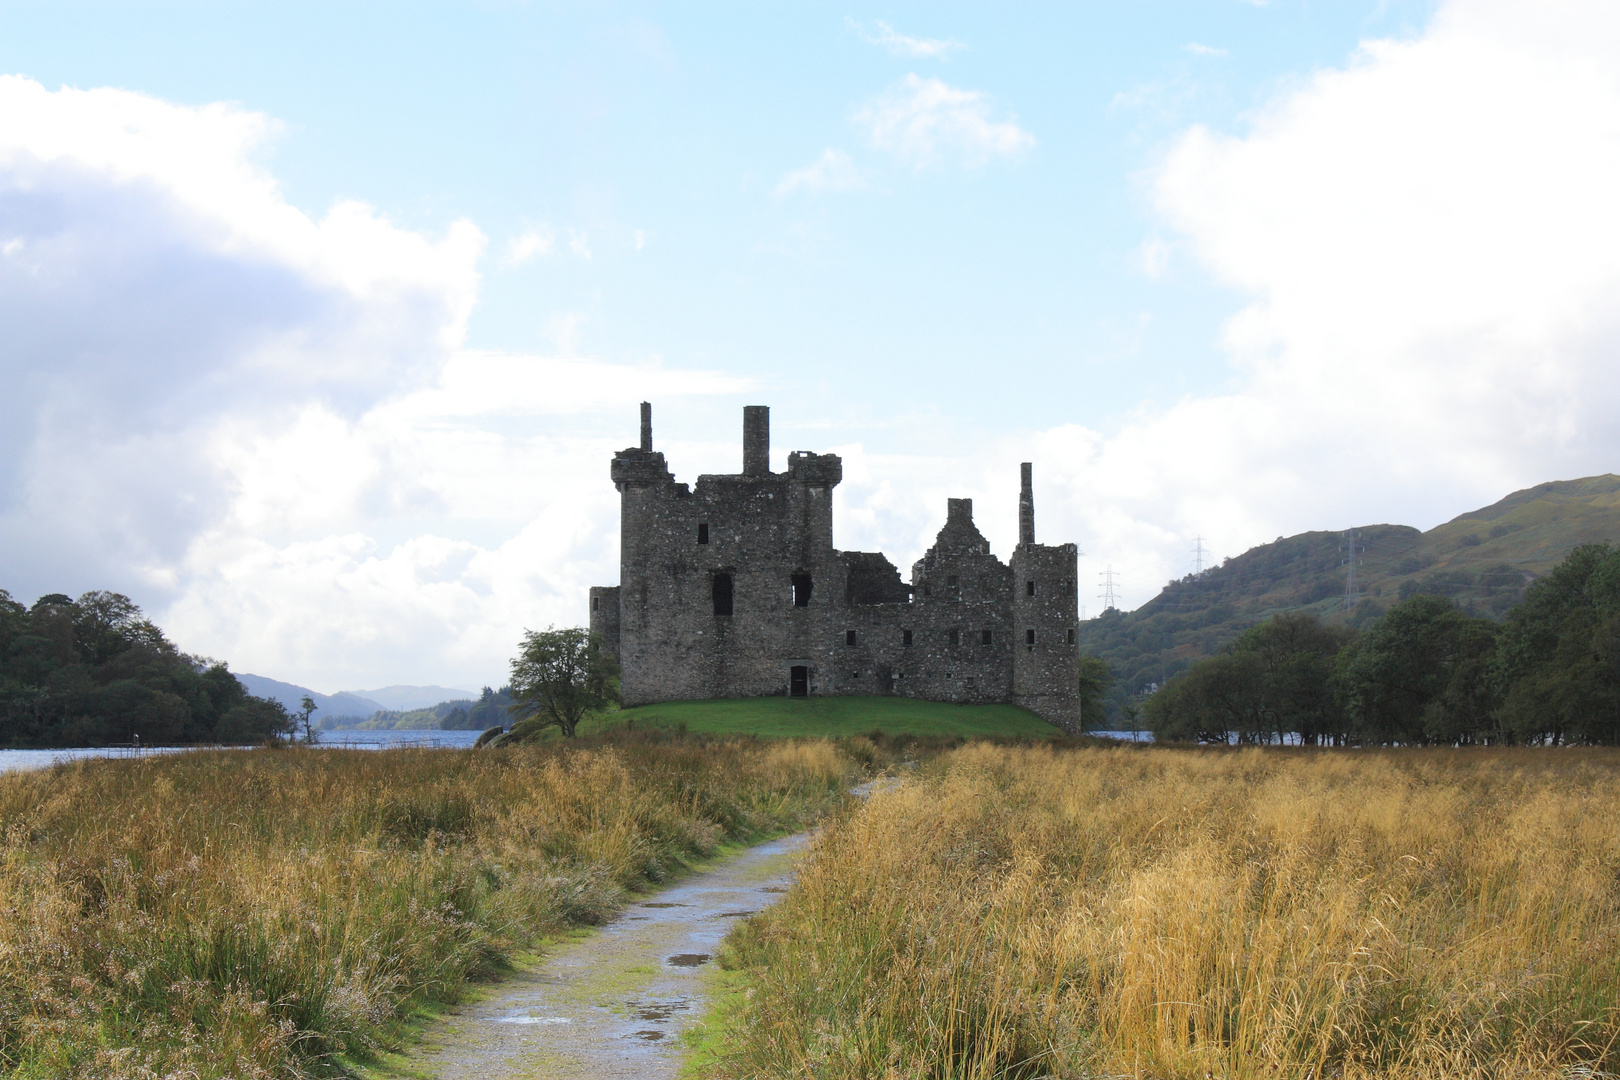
x=905 y=639
x=849 y=637
x=703 y=533
x=1029 y=586
x=926 y=591
x=801 y=590
x=854 y=675
x=952 y=586
x=984 y=637
x=1071 y=635
x=798 y=681
x=1029 y=637
x=722 y=594
x=956 y=639
x=596 y=603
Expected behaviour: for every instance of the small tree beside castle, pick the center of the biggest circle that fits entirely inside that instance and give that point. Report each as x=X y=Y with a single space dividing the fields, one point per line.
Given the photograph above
x=559 y=676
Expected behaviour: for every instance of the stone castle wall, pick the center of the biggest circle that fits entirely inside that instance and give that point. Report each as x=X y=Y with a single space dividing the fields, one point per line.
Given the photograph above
x=733 y=588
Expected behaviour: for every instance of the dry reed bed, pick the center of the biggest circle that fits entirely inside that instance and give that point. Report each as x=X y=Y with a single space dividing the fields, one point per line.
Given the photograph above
x=262 y=913
x=1153 y=912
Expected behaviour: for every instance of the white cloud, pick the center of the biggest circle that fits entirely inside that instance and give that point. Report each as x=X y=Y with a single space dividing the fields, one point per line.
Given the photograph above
x=1203 y=50
x=1427 y=237
x=263 y=425
x=579 y=244
x=154 y=281
x=832 y=171
x=924 y=121
x=529 y=244
x=899 y=44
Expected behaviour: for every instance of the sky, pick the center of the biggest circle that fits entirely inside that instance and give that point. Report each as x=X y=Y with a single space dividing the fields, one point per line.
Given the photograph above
x=319 y=324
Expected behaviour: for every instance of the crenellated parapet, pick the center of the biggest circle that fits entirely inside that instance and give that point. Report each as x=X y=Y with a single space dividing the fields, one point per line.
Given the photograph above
x=805 y=467
x=634 y=467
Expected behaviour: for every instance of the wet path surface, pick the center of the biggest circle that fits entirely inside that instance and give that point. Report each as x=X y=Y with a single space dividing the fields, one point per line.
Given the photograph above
x=614 y=1004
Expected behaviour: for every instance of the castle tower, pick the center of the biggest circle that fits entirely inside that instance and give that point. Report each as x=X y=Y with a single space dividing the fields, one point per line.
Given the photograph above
x=1046 y=620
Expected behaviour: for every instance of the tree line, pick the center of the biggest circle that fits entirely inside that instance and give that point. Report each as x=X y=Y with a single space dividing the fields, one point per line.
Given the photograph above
x=1426 y=673
x=95 y=671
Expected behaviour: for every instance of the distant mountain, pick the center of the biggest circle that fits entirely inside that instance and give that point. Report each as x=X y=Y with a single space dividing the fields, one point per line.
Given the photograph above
x=405 y=698
x=288 y=694
x=1483 y=559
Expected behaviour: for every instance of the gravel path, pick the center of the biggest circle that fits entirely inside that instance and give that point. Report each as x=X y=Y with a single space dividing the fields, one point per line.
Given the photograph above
x=613 y=1004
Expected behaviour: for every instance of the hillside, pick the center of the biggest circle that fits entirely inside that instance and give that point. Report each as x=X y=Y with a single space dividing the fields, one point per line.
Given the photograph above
x=1483 y=559
x=326 y=705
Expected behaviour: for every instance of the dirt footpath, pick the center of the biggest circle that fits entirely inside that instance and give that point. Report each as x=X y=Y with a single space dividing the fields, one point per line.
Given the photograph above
x=613 y=1004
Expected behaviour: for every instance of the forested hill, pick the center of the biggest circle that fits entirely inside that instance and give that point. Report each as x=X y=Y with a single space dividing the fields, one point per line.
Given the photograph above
x=1483 y=559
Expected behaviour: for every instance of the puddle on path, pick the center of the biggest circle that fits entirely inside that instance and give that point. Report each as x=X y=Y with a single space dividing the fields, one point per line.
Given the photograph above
x=613 y=1005
x=689 y=959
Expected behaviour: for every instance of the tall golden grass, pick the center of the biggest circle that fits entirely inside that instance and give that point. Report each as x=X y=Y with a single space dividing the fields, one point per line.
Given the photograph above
x=265 y=913
x=1027 y=912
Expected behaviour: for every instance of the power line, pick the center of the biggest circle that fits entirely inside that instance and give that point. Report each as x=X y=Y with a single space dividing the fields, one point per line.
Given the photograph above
x=1108 y=595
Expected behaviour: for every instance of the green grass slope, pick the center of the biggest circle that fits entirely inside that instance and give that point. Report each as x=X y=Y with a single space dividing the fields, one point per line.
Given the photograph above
x=1483 y=559
x=781 y=717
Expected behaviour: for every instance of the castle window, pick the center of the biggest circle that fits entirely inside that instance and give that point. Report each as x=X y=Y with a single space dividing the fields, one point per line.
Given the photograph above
x=801 y=590
x=849 y=637
x=927 y=591
x=1071 y=635
x=984 y=637
x=1029 y=586
x=956 y=639
x=596 y=603
x=905 y=639
x=951 y=584
x=703 y=533
x=1029 y=637
x=722 y=594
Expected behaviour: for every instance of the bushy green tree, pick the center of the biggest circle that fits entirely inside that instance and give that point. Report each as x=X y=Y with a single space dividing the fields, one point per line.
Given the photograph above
x=1557 y=668
x=1273 y=681
x=560 y=675
x=1095 y=679
x=95 y=670
x=1417 y=676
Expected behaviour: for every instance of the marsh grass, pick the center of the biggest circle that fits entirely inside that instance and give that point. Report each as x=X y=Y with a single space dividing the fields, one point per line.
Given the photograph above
x=1032 y=912
x=277 y=912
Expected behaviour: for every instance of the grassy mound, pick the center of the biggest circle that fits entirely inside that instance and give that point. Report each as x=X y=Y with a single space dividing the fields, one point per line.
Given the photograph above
x=835 y=717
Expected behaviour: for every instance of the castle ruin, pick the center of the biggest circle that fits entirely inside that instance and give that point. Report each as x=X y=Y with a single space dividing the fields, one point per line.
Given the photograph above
x=733 y=588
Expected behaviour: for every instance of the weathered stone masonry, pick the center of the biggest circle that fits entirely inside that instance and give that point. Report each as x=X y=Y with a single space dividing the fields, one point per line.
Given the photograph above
x=733 y=588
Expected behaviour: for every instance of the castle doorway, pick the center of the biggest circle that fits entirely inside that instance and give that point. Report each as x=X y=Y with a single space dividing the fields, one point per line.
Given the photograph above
x=798 y=681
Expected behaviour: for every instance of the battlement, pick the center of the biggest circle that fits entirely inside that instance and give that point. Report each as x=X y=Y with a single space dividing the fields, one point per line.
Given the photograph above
x=806 y=467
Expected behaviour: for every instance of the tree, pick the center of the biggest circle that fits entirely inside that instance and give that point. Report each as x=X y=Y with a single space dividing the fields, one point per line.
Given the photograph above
x=1273 y=681
x=1413 y=677
x=560 y=675
x=1557 y=668
x=1095 y=679
x=306 y=708
x=255 y=720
